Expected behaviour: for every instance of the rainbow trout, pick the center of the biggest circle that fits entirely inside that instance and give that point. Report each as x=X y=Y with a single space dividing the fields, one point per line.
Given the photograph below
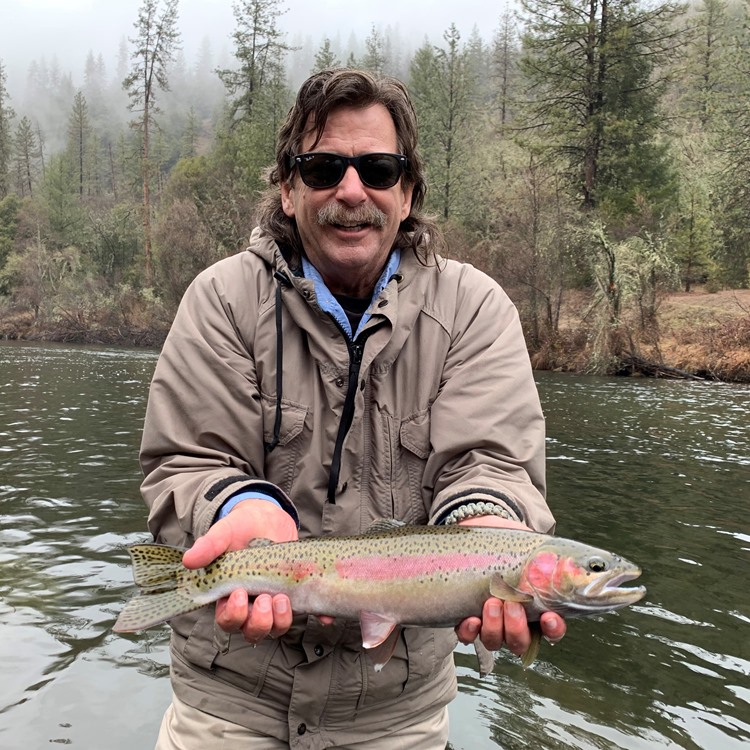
x=393 y=575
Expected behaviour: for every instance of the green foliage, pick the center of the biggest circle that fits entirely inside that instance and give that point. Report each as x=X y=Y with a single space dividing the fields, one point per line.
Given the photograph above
x=325 y=57
x=6 y=144
x=260 y=50
x=444 y=88
x=594 y=91
x=590 y=115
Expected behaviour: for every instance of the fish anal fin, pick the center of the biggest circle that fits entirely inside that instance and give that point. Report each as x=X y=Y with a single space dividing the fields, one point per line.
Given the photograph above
x=484 y=657
x=529 y=657
x=500 y=588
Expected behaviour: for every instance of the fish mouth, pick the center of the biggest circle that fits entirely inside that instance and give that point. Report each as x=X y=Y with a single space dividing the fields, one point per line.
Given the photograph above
x=609 y=592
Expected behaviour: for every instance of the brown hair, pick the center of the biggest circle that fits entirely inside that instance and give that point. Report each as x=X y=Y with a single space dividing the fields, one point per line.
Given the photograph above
x=320 y=95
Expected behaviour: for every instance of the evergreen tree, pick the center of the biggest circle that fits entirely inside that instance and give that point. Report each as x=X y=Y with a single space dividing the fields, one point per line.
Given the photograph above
x=79 y=144
x=325 y=57
x=592 y=72
x=444 y=93
x=155 y=45
x=504 y=67
x=705 y=75
x=6 y=137
x=26 y=157
x=374 y=58
x=259 y=47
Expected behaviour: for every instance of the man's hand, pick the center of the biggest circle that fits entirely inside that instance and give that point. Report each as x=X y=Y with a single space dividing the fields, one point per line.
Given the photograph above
x=248 y=520
x=505 y=622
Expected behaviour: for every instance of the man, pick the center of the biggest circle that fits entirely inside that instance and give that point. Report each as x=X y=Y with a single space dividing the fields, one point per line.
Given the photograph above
x=341 y=363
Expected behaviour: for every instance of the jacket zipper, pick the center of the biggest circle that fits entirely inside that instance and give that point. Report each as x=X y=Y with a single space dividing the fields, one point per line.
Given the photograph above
x=356 y=348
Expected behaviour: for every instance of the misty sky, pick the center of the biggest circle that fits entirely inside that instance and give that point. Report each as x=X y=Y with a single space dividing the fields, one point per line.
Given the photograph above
x=68 y=29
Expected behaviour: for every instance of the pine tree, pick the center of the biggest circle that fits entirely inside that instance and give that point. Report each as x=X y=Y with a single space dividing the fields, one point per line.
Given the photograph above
x=325 y=57
x=374 y=58
x=26 y=157
x=6 y=138
x=444 y=93
x=258 y=47
x=594 y=89
x=155 y=44
x=79 y=141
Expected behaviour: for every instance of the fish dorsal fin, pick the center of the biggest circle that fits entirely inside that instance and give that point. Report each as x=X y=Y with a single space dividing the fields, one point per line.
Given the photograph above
x=375 y=628
x=500 y=588
x=533 y=650
x=384 y=524
x=260 y=541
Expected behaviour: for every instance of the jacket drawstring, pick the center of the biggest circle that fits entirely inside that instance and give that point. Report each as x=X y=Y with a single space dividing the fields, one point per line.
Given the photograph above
x=280 y=279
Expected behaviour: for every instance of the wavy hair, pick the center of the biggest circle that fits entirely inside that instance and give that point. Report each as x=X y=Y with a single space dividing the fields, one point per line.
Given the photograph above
x=319 y=96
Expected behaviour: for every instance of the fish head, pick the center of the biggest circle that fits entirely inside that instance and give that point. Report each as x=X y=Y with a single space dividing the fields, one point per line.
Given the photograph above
x=575 y=579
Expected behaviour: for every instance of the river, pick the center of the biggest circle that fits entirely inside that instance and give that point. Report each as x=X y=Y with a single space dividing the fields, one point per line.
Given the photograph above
x=656 y=470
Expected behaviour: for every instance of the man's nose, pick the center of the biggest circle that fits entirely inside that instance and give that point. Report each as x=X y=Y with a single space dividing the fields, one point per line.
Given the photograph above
x=351 y=190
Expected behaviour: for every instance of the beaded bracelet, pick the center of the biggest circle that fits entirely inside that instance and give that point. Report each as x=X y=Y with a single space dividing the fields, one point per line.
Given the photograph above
x=470 y=510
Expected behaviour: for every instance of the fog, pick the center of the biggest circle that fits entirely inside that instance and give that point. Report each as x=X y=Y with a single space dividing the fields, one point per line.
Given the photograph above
x=65 y=31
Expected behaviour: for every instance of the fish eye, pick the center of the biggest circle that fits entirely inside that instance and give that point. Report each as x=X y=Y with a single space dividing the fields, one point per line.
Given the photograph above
x=597 y=564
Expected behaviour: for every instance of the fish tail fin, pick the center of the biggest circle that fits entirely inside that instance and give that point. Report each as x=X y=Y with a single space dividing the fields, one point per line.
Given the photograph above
x=156 y=571
x=155 y=566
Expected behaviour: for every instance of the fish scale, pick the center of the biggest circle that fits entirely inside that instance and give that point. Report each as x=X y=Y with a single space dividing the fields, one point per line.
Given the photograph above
x=393 y=575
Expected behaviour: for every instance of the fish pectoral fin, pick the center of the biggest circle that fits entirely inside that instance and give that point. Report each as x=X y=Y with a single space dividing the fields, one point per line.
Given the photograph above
x=375 y=628
x=529 y=657
x=500 y=588
x=382 y=653
x=484 y=657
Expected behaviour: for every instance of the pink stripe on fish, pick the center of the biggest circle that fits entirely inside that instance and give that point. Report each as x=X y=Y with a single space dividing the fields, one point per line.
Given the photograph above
x=413 y=566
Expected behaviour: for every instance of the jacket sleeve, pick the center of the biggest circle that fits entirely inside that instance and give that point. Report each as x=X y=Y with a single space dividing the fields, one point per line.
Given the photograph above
x=487 y=426
x=203 y=433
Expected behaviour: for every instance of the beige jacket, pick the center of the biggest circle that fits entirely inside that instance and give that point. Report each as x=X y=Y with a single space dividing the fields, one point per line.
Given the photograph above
x=442 y=407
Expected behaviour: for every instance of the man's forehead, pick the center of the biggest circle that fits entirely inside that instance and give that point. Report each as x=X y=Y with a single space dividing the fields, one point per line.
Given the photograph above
x=311 y=133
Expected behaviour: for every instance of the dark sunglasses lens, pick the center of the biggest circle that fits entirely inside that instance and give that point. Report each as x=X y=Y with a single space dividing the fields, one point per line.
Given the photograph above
x=321 y=170
x=379 y=170
x=326 y=170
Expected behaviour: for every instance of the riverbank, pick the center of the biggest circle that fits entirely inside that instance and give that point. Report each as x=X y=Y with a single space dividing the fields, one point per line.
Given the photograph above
x=697 y=334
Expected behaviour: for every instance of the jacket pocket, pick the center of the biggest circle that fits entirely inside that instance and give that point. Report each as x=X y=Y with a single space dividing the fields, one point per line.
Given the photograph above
x=282 y=461
x=412 y=454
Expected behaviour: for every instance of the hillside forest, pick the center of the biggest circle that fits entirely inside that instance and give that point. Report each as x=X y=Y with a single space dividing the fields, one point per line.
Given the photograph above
x=591 y=155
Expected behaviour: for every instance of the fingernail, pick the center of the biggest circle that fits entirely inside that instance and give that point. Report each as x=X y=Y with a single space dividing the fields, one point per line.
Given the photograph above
x=494 y=609
x=513 y=609
x=263 y=603
x=281 y=606
x=473 y=628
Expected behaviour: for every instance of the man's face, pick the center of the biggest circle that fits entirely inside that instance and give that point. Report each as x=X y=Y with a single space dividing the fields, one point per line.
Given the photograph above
x=348 y=250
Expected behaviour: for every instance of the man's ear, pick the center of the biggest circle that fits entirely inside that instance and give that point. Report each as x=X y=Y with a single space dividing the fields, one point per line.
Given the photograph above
x=287 y=198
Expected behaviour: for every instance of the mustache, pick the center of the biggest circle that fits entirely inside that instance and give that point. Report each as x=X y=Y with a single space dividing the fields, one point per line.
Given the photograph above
x=335 y=213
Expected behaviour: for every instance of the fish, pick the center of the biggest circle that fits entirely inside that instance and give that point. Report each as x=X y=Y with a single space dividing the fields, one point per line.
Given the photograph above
x=392 y=576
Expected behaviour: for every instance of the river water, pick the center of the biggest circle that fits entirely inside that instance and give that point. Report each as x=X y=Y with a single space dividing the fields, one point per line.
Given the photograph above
x=656 y=470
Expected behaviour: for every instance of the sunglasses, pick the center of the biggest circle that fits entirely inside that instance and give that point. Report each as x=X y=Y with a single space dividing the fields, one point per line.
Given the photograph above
x=321 y=170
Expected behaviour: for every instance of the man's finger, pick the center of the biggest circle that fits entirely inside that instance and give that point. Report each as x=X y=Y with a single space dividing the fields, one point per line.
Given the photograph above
x=517 y=634
x=260 y=622
x=553 y=627
x=232 y=611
